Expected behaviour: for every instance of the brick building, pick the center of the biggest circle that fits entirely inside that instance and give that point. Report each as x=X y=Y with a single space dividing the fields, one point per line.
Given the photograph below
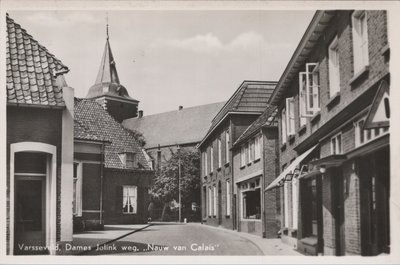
x=39 y=146
x=218 y=190
x=112 y=173
x=255 y=165
x=333 y=102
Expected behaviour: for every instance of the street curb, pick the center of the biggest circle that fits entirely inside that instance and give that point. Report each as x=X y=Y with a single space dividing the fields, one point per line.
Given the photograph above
x=236 y=233
x=113 y=240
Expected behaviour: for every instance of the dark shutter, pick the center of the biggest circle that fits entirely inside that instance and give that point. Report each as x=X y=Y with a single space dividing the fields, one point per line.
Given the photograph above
x=118 y=199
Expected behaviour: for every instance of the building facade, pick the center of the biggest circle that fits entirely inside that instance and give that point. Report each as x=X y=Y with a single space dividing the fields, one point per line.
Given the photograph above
x=39 y=146
x=218 y=197
x=333 y=102
x=255 y=165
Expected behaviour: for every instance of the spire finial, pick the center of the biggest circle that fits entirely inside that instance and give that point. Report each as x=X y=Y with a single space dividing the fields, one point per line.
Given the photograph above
x=107 y=25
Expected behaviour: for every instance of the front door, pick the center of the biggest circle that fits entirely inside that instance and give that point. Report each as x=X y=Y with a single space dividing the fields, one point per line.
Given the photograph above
x=29 y=215
x=340 y=189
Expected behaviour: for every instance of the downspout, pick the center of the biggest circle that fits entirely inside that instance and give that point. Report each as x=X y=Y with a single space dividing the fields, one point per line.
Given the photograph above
x=234 y=197
x=264 y=215
x=101 y=183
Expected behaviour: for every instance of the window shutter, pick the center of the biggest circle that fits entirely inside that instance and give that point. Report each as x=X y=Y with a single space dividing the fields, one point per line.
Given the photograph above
x=303 y=96
x=118 y=199
x=290 y=116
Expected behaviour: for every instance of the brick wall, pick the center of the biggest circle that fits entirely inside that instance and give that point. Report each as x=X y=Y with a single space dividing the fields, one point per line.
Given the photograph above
x=35 y=125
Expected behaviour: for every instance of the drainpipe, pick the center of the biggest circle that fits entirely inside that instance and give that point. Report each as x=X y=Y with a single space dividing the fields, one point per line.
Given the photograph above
x=101 y=183
x=233 y=193
x=262 y=203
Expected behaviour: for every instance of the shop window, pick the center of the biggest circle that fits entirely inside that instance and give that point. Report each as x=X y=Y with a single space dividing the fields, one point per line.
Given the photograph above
x=309 y=102
x=363 y=136
x=336 y=144
x=334 y=72
x=311 y=215
x=77 y=189
x=129 y=199
x=360 y=40
x=251 y=199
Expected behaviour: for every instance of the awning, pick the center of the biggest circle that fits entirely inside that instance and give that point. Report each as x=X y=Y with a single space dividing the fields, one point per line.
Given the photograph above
x=290 y=168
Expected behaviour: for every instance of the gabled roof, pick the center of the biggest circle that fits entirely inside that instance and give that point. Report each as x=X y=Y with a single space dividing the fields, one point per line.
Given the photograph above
x=184 y=126
x=107 y=81
x=93 y=121
x=267 y=119
x=31 y=70
x=251 y=97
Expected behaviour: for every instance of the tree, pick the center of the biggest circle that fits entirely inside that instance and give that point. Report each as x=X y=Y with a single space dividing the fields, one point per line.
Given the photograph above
x=165 y=188
x=139 y=137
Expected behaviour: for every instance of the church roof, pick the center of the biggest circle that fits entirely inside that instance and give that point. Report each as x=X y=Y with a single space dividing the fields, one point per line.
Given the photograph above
x=107 y=82
x=31 y=70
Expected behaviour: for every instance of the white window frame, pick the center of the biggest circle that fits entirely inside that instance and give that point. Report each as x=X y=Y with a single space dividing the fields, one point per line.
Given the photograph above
x=228 y=198
x=334 y=68
x=206 y=162
x=252 y=150
x=219 y=153
x=309 y=101
x=283 y=126
x=77 y=181
x=290 y=116
x=128 y=159
x=295 y=202
x=360 y=40
x=211 y=159
x=227 y=140
x=242 y=156
x=129 y=191
x=248 y=153
x=336 y=148
x=373 y=133
x=244 y=187
x=257 y=147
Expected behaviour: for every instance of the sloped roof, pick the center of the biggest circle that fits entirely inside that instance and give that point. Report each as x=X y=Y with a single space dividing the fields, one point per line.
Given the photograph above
x=31 y=70
x=187 y=125
x=107 y=81
x=250 y=97
x=91 y=118
x=268 y=118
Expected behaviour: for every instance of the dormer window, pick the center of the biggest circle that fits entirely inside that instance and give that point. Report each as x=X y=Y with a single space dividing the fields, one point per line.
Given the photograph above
x=128 y=159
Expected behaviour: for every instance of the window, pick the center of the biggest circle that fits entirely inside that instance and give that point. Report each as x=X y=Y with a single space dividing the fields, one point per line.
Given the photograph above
x=227 y=146
x=248 y=152
x=242 y=156
x=212 y=158
x=257 y=153
x=290 y=116
x=309 y=102
x=336 y=144
x=77 y=189
x=228 y=198
x=128 y=159
x=206 y=162
x=219 y=153
x=129 y=199
x=283 y=125
x=210 y=210
x=367 y=135
x=334 y=74
x=252 y=149
x=360 y=40
x=251 y=199
x=215 y=201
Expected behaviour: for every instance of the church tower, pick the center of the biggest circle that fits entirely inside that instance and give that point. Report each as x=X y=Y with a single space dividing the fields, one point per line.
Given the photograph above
x=109 y=92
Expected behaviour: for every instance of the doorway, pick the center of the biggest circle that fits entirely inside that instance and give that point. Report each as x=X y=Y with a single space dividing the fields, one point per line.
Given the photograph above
x=339 y=191
x=219 y=203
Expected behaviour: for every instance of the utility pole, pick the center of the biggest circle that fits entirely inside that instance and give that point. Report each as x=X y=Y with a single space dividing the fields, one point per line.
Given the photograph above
x=179 y=182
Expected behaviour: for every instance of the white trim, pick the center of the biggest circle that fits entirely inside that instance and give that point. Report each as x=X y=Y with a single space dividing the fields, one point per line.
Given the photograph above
x=51 y=197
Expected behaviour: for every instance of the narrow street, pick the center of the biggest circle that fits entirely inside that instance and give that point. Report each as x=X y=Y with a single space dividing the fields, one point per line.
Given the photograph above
x=174 y=239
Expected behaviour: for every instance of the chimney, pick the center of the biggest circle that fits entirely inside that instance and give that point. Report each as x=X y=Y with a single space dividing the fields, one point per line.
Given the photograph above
x=140 y=113
x=180 y=107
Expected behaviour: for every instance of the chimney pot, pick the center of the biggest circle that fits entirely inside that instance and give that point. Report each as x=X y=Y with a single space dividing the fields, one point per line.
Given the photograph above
x=140 y=113
x=180 y=107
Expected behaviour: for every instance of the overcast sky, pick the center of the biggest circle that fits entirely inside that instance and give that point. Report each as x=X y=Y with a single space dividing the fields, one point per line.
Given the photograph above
x=171 y=58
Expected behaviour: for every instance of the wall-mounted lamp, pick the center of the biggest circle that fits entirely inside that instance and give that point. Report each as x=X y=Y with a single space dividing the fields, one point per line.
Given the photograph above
x=289 y=177
x=296 y=172
x=322 y=169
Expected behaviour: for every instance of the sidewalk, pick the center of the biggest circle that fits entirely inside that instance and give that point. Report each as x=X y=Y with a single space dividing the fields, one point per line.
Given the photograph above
x=269 y=246
x=88 y=240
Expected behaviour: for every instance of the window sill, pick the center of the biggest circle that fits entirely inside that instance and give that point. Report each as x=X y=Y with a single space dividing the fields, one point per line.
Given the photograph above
x=359 y=74
x=241 y=167
x=128 y=213
x=226 y=164
x=255 y=161
x=333 y=100
x=316 y=117
x=302 y=129
x=385 y=49
x=291 y=139
x=249 y=164
x=283 y=147
x=219 y=169
x=249 y=219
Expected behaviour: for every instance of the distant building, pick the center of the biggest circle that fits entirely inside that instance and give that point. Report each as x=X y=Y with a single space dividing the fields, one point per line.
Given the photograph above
x=333 y=109
x=112 y=173
x=39 y=146
x=163 y=132
x=218 y=191
x=255 y=165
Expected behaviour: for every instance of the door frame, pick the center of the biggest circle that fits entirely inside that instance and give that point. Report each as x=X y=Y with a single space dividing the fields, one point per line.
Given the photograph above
x=50 y=191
